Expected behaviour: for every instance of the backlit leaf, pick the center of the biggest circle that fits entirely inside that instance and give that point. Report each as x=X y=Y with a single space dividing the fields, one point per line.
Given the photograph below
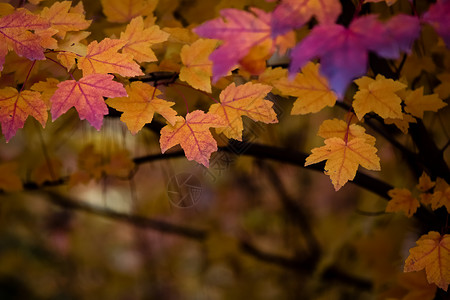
x=103 y=58
x=425 y=183
x=340 y=129
x=140 y=105
x=291 y=14
x=310 y=88
x=62 y=20
x=241 y=32
x=343 y=158
x=441 y=195
x=86 y=95
x=197 y=69
x=15 y=33
x=432 y=253
x=437 y=16
x=15 y=107
x=402 y=200
x=417 y=103
x=193 y=135
x=243 y=100
x=123 y=11
x=378 y=95
x=139 y=40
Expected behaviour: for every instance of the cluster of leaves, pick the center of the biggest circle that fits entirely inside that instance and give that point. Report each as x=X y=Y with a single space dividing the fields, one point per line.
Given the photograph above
x=80 y=72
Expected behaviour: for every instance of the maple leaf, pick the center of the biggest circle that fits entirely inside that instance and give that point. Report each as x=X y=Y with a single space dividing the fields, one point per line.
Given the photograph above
x=416 y=103
x=103 y=58
x=47 y=89
x=9 y=179
x=343 y=158
x=437 y=16
x=402 y=200
x=432 y=253
x=193 y=135
x=15 y=107
x=441 y=195
x=15 y=33
x=123 y=11
x=291 y=14
x=47 y=171
x=340 y=129
x=197 y=69
x=378 y=95
x=139 y=40
x=140 y=106
x=62 y=20
x=243 y=100
x=242 y=31
x=310 y=88
x=425 y=183
x=343 y=51
x=86 y=95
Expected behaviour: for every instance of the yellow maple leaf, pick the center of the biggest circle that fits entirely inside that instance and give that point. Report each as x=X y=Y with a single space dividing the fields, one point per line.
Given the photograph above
x=402 y=200
x=425 y=183
x=9 y=179
x=103 y=58
x=193 y=135
x=140 y=106
x=416 y=103
x=74 y=43
x=123 y=11
x=378 y=95
x=243 y=100
x=139 y=40
x=62 y=20
x=343 y=158
x=432 y=253
x=441 y=195
x=311 y=89
x=47 y=89
x=197 y=69
x=340 y=129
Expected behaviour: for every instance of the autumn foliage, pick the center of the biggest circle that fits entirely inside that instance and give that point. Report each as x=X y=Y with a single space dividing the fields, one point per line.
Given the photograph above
x=370 y=72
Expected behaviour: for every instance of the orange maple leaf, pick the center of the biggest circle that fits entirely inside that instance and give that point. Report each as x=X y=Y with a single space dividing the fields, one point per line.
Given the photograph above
x=140 y=106
x=311 y=89
x=15 y=33
x=103 y=58
x=193 y=135
x=378 y=95
x=63 y=20
x=47 y=89
x=86 y=95
x=123 y=11
x=15 y=107
x=243 y=100
x=402 y=200
x=441 y=195
x=340 y=129
x=432 y=253
x=197 y=69
x=416 y=103
x=140 y=39
x=425 y=183
x=343 y=158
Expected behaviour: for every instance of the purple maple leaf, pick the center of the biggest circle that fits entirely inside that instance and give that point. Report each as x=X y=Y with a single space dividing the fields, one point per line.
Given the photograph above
x=344 y=51
x=438 y=16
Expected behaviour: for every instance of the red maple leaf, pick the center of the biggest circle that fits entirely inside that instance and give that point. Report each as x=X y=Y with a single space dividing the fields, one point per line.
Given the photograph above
x=86 y=95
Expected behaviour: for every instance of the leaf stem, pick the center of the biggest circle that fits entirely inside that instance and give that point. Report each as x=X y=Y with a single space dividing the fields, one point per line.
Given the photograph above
x=28 y=75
